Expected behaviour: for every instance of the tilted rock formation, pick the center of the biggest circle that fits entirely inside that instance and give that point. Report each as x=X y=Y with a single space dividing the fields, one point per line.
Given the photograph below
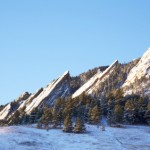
x=138 y=79
x=93 y=83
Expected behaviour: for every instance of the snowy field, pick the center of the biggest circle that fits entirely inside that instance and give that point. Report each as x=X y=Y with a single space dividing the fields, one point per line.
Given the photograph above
x=28 y=138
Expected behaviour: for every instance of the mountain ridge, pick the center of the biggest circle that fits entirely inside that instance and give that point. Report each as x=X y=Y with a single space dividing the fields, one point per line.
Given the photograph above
x=96 y=82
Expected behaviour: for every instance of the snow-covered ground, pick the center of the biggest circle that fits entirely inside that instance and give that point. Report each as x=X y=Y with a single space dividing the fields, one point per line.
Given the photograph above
x=28 y=138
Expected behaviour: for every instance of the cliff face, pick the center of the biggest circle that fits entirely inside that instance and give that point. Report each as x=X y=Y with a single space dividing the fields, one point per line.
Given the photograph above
x=94 y=82
x=10 y=108
x=58 y=88
x=138 y=78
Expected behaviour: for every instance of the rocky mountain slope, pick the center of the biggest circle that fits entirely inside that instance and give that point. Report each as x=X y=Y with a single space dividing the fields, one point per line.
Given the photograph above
x=90 y=85
x=10 y=108
x=132 y=77
x=138 y=80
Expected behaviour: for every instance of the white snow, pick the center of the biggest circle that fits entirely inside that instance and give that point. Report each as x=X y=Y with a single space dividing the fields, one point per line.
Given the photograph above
x=4 y=113
x=29 y=138
x=87 y=85
x=98 y=76
x=46 y=92
x=25 y=103
x=140 y=70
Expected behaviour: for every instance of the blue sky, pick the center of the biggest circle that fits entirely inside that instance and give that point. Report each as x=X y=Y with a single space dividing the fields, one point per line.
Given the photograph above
x=39 y=40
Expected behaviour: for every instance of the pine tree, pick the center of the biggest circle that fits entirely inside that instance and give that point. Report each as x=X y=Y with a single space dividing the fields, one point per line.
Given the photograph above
x=147 y=114
x=95 y=115
x=46 y=118
x=55 y=119
x=15 y=120
x=68 y=124
x=118 y=114
x=25 y=119
x=39 y=125
x=130 y=112
x=109 y=116
x=79 y=126
x=60 y=117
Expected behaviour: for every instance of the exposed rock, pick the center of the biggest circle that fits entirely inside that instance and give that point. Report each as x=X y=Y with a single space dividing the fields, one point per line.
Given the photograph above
x=138 y=78
x=10 y=108
x=4 y=113
x=89 y=86
x=58 y=88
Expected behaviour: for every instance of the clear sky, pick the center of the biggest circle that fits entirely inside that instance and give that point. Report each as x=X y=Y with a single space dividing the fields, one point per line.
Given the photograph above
x=40 y=39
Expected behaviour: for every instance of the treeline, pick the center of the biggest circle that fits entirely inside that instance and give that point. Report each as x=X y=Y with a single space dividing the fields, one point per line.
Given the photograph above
x=72 y=114
x=131 y=109
x=115 y=80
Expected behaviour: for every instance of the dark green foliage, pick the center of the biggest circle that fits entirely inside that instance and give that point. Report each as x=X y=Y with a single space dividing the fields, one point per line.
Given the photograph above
x=46 y=118
x=68 y=124
x=135 y=110
x=115 y=80
x=118 y=114
x=147 y=114
x=79 y=126
x=15 y=120
x=78 y=81
x=55 y=117
x=94 y=115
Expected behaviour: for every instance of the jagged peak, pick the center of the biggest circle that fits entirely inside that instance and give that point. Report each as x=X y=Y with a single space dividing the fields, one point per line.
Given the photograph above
x=146 y=55
x=66 y=72
x=137 y=72
x=46 y=92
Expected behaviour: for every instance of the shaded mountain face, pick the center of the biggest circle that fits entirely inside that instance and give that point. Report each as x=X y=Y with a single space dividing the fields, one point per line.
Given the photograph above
x=132 y=77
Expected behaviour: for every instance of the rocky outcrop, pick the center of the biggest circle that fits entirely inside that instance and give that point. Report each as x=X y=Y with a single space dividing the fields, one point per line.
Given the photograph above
x=13 y=106
x=28 y=101
x=4 y=113
x=93 y=83
x=138 y=78
x=58 y=88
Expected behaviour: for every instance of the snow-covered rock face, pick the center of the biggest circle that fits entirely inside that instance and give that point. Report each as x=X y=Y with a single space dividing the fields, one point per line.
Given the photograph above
x=142 y=69
x=94 y=82
x=23 y=97
x=58 y=88
x=27 y=102
x=4 y=113
x=8 y=110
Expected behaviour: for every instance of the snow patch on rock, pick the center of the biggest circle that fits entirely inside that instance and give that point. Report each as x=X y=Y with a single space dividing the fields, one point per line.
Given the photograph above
x=4 y=113
x=142 y=69
x=45 y=93
x=88 y=86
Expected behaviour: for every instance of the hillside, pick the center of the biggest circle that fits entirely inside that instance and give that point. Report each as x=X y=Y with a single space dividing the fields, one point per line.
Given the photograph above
x=109 y=88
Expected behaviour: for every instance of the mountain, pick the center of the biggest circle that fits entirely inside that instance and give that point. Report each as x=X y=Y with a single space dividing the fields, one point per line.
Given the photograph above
x=13 y=106
x=138 y=80
x=91 y=84
x=131 y=78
